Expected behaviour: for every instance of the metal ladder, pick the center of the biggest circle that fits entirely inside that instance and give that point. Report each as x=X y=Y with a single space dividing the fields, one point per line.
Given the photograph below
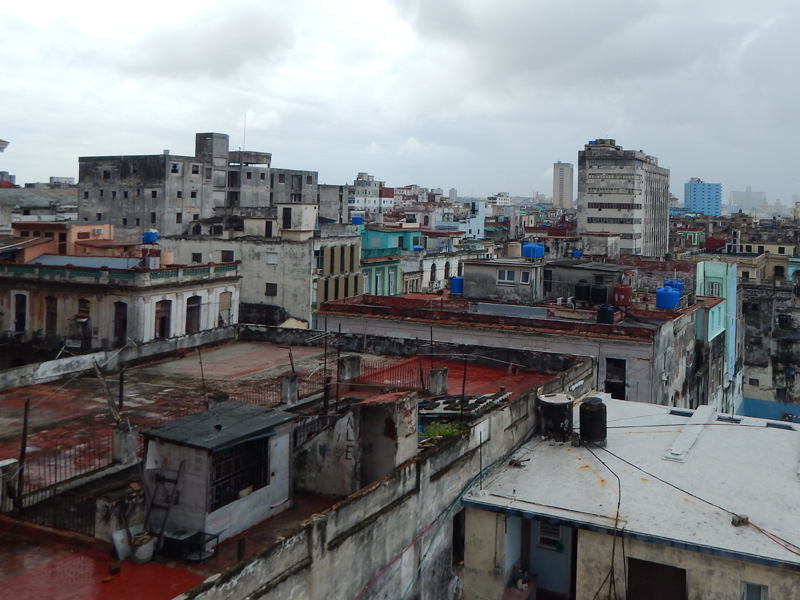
x=169 y=485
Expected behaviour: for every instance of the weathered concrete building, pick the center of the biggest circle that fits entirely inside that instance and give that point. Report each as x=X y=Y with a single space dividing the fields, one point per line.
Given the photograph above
x=514 y=280
x=104 y=302
x=286 y=275
x=625 y=192
x=669 y=526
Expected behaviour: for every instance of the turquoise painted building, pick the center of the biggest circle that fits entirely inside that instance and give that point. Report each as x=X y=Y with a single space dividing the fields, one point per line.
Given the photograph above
x=719 y=279
x=381 y=251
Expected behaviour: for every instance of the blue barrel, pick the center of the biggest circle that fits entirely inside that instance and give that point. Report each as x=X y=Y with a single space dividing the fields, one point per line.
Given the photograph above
x=457 y=285
x=674 y=284
x=358 y=220
x=150 y=237
x=668 y=298
x=577 y=253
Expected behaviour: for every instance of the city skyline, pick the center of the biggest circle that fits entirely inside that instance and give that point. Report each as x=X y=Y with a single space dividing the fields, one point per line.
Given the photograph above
x=412 y=93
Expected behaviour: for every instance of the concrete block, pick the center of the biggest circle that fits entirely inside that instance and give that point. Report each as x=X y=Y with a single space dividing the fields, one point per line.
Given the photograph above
x=124 y=440
x=289 y=389
x=349 y=367
x=437 y=385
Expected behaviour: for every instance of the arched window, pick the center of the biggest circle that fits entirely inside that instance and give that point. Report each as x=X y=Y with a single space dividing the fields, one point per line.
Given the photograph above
x=433 y=274
x=426 y=221
x=447 y=270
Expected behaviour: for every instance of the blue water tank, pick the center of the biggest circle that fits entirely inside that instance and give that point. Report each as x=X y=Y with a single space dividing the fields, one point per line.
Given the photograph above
x=418 y=248
x=358 y=220
x=674 y=284
x=577 y=253
x=527 y=250
x=668 y=298
x=457 y=285
x=150 y=237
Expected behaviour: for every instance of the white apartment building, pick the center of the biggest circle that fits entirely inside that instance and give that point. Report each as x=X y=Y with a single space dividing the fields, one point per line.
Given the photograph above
x=563 y=174
x=625 y=192
x=367 y=197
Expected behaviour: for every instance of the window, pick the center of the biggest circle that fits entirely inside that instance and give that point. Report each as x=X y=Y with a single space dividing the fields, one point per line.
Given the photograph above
x=753 y=591
x=101 y=193
x=49 y=234
x=154 y=194
x=138 y=221
x=748 y=248
x=263 y=176
x=365 y=282
x=84 y=306
x=752 y=381
x=781 y=250
x=193 y=194
x=239 y=470
x=99 y=217
x=714 y=289
x=505 y=277
x=175 y=168
x=271 y=289
x=153 y=218
x=208 y=173
x=281 y=178
x=650 y=580
x=309 y=179
x=124 y=222
x=179 y=217
x=39 y=234
x=353 y=250
x=249 y=175
x=180 y=194
x=138 y=192
x=51 y=315
x=745 y=274
x=106 y=174
x=341 y=259
x=113 y=193
x=195 y=169
x=549 y=536
x=195 y=217
x=227 y=255
x=272 y=258
x=197 y=257
x=525 y=277
x=125 y=194
x=85 y=195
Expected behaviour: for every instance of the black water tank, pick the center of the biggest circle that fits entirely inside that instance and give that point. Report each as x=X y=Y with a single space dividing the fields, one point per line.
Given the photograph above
x=605 y=314
x=599 y=294
x=582 y=289
x=555 y=416
x=593 y=421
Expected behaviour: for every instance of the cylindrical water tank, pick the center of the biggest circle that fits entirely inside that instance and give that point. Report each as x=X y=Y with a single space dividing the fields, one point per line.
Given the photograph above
x=593 y=417
x=418 y=248
x=675 y=284
x=623 y=294
x=599 y=294
x=358 y=220
x=514 y=249
x=668 y=298
x=555 y=412
x=582 y=291
x=167 y=258
x=457 y=285
x=150 y=237
x=538 y=250
x=577 y=253
x=605 y=314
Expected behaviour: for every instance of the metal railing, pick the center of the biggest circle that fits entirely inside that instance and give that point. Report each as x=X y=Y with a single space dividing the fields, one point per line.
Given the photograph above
x=66 y=510
x=404 y=375
x=313 y=383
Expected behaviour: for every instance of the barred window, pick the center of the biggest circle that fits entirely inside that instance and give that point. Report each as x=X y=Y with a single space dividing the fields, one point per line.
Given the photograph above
x=238 y=471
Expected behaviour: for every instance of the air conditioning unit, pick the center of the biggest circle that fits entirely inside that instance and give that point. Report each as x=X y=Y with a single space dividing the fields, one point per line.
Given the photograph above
x=559 y=301
x=98 y=231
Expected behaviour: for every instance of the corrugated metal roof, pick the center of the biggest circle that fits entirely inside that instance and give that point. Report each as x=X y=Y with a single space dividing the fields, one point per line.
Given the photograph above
x=92 y=262
x=225 y=425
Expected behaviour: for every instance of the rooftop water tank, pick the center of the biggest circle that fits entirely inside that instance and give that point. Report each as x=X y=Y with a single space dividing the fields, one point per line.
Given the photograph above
x=675 y=284
x=357 y=220
x=593 y=416
x=582 y=291
x=577 y=253
x=150 y=237
x=457 y=285
x=538 y=250
x=668 y=298
x=623 y=294
x=605 y=314
x=555 y=411
x=513 y=250
x=418 y=248
x=599 y=294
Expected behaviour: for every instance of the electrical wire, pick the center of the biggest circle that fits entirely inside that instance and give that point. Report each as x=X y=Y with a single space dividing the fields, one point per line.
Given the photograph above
x=611 y=577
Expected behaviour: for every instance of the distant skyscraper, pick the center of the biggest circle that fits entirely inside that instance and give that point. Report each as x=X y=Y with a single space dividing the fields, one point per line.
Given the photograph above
x=625 y=192
x=748 y=198
x=702 y=197
x=562 y=184
x=453 y=195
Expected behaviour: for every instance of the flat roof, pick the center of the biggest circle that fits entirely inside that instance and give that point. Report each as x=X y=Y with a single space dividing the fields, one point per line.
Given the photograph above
x=223 y=426
x=588 y=265
x=682 y=475
x=92 y=262
x=11 y=242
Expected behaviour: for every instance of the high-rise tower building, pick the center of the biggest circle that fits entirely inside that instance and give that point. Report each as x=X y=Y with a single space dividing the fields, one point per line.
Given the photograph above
x=625 y=192
x=702 y=197
x=562 y=184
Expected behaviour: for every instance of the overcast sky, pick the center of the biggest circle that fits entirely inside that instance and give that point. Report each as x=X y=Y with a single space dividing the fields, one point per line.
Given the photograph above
x=481 y=95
